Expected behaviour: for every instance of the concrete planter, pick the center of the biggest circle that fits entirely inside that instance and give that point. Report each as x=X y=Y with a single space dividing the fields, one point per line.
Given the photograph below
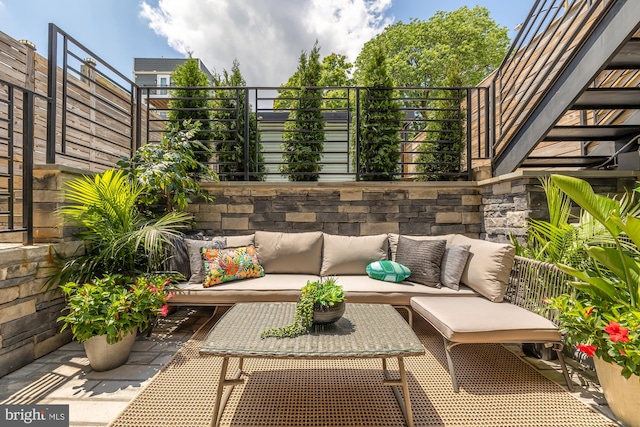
x=622 y=394
x=103 y=356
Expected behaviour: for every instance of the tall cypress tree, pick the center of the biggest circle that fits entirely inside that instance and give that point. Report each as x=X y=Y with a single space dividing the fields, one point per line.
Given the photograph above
x=304 y=130
x=379 y=123
x=191 y=103
x=229 y=110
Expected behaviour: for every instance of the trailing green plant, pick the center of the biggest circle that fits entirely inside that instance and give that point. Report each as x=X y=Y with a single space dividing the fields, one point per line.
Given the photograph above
x=603 y=316
x=168 y=171
x=118 y=238
x=304 y=130
x=317 y=294
x=113 y=306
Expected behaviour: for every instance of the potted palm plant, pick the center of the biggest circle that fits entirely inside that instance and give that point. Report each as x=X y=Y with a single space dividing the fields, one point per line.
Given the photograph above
x=602 y=317
x=121 y=243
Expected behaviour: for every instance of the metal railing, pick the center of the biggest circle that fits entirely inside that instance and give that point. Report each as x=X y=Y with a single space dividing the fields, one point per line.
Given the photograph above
x=17 y=105
x=544 y=46
x=436 y=137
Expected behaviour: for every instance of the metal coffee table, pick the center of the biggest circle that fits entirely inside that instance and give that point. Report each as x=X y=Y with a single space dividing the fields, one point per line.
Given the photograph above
x=365 y=331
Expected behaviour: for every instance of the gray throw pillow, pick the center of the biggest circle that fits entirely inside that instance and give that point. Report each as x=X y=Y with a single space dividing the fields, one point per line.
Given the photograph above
x=453 y=262
x=196 y=263
x=423 y=258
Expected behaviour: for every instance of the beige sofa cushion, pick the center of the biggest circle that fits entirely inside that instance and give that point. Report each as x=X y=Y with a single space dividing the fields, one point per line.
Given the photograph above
x=352 y=254
x=477 y=320
x=488 y=266
x=237 y=241
x=289 y=253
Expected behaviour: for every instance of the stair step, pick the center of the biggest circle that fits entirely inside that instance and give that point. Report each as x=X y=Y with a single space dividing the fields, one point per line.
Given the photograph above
x=608 y=98
x=563 y=161
x=628 y=58
x=592 y=133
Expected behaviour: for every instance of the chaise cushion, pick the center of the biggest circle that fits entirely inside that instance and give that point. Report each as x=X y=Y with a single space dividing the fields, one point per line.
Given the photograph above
x=478 y=320
x=289 y=252
x=423 y=258
x=352 y=254
x=488 y=267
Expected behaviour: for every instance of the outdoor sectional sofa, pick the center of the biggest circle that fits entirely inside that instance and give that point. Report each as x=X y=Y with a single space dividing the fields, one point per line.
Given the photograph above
x=490 y=296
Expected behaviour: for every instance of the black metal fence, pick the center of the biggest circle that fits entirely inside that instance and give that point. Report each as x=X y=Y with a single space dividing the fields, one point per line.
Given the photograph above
x=430 y=130
x=17 y=105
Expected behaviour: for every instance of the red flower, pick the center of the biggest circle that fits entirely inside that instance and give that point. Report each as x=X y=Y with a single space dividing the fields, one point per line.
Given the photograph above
x=616 y=333
x=589 y=350
x=171 y=295
x=588 y=311
x=164 y=310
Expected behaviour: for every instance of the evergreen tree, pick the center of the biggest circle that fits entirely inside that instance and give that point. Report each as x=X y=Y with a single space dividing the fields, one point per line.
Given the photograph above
x=190 y=103
x=379 y=123
x=229 y=110
x=304 y=130
x=440 y=157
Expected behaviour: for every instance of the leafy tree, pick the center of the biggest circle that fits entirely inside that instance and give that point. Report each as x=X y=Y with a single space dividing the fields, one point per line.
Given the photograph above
x=229 y=129
x=420 y=53
x=379 y=123
x=168 y=171
x=304 y=130
x=190 y=103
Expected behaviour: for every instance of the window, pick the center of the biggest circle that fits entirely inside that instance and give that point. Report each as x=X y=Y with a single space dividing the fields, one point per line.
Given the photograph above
x=164 y=80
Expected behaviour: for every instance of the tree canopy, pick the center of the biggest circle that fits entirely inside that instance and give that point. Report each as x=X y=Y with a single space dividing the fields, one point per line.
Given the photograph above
x=423 y=53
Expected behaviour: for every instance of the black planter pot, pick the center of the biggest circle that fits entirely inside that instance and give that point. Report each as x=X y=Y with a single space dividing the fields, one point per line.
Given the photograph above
x=323 y=315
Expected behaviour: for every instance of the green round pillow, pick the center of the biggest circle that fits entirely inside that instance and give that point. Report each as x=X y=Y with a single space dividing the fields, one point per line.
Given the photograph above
x=389 y=271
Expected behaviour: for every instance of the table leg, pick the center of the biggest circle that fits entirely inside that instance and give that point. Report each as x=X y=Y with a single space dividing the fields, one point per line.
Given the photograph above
x=403 y=400
x=222 y=395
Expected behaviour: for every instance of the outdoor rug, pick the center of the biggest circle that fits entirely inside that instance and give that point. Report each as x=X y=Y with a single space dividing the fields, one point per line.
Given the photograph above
x=497 y=388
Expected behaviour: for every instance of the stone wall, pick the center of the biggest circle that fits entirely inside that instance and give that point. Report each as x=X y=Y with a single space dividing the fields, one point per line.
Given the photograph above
x=28 y=312
x=346 y=208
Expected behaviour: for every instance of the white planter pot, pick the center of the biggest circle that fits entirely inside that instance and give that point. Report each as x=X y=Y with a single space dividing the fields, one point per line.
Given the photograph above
x=103 y=356
x=622 y=394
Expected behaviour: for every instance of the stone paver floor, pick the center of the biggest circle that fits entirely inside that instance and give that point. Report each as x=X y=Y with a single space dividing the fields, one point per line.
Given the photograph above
x=95 y=398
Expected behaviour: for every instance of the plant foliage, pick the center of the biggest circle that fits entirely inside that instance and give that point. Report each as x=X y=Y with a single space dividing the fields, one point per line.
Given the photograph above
x=304 y=130
x=168 y=171
x=229 y=111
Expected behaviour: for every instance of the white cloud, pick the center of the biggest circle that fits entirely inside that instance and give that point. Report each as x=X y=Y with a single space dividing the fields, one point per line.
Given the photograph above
x=266 y=36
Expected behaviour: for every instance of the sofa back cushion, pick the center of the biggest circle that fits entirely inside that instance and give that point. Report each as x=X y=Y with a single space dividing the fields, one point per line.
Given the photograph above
x=352 y=254
x=289 y=253
x=237 y=241
x=488 y=266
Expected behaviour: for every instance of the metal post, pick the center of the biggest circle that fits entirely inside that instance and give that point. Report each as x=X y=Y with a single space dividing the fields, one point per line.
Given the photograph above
x=469 y=112
x=247 y=141
x=138 y=120
x=357 y=141
x=52 y=94
x=27 y=176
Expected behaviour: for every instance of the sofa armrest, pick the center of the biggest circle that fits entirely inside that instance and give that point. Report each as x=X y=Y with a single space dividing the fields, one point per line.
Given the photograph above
x=531 y=282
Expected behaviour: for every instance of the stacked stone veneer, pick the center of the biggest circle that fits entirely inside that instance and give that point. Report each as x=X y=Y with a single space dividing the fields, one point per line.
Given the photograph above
x=347 y=209
x=491 y=209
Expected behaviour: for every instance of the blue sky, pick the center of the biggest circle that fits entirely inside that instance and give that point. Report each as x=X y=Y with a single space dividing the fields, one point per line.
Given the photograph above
x=266 y=36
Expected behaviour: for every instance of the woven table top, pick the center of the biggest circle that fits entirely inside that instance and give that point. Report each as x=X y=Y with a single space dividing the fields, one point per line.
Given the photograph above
x=364 y=331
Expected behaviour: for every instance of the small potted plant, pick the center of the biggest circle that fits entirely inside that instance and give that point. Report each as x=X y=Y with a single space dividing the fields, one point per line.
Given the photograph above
x=321 y=302
x=106 y=314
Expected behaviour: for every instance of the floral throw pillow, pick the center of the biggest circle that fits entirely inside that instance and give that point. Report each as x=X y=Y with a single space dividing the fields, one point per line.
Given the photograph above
x=225 y=265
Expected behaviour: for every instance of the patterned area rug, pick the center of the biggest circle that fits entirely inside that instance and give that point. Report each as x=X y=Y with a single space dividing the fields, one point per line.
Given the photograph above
x=496 y=389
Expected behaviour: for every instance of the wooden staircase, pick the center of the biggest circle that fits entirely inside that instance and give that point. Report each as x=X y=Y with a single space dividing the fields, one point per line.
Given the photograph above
x=568 y=93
